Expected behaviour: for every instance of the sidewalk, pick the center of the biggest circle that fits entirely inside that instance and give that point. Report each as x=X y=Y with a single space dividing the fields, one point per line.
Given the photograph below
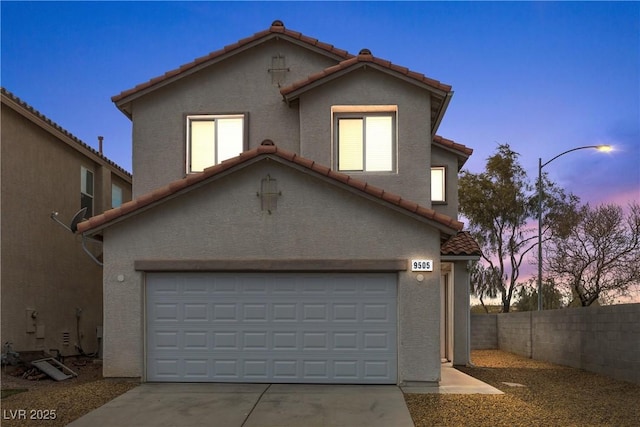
x=453 y=381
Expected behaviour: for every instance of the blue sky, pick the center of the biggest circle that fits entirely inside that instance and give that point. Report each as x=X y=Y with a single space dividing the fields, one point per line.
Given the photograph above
x=543 y=77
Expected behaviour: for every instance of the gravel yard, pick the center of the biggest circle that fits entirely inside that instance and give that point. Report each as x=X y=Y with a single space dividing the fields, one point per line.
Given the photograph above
x=63 y=401
x=547 y=395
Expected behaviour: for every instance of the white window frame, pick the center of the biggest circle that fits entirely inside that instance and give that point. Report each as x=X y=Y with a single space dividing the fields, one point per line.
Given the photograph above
x=339 y=112
x=438 y=184
x=217 y=155
x=88 y=192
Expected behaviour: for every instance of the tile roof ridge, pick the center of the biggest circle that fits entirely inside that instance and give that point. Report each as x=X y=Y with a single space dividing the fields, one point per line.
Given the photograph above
x=277 y=27
x=59 y=128
x=365 y=56
x=268 y=149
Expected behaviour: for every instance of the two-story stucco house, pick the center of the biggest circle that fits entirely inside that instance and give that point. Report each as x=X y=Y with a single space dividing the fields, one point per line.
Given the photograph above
x=294 y=220
x=51 y=288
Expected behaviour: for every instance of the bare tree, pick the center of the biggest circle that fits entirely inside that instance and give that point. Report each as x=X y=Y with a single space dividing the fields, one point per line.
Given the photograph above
x=596 y=252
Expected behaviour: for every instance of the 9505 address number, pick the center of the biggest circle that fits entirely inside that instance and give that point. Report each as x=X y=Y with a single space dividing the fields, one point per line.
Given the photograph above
x=421 y=265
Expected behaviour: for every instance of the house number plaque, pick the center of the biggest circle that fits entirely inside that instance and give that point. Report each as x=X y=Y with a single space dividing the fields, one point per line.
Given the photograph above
x=421 y=265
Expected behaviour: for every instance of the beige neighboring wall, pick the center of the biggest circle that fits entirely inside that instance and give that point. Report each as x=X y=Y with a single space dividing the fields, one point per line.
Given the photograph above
x=51 y=291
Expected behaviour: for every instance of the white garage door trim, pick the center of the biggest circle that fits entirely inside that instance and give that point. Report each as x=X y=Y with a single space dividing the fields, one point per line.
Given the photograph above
x=271 y=327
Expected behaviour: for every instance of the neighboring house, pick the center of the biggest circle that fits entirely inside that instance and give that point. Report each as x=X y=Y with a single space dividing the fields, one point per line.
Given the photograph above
x=284 y=189
x=51 y=289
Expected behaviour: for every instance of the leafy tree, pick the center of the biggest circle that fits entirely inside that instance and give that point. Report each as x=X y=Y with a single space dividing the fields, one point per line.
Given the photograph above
x=527 y=296
x=499 y=204
x=596 y=253
x=498 y=207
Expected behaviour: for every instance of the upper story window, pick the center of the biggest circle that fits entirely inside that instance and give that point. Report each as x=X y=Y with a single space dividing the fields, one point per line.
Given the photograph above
x=438 y=181
x=365 y=138
x=213 y=138
x=116 y=196
x=86 y=190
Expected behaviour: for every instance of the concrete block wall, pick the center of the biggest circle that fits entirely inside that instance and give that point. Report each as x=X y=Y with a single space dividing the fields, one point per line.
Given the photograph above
x=557 y=334
x=604 y=340
x=484 y=331
x=514 y=333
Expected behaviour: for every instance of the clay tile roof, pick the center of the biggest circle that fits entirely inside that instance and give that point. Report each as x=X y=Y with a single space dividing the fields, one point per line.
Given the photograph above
x=35 y=113
x=276 y=28
x=358 y=60
x=183 y=184
x=461 y=244
x=452 y=145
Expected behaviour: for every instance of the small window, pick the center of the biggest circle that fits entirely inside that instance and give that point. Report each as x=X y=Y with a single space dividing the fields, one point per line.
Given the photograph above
x=438 y=180
x=116 y=196
x=213 y=139
x=365 y=141
x=86 y=190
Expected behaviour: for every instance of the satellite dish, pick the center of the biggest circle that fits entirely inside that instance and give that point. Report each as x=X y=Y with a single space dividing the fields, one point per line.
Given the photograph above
x=77 y=218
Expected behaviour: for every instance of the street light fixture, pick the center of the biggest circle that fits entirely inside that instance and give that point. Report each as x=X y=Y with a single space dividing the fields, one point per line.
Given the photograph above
x=603 y=148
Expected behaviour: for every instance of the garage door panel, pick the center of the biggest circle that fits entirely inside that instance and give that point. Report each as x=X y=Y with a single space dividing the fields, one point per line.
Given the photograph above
x=195 y=285
x=255 y=312
x=165 y=340
x=345 y=312
x=314 y=312
x=196 y=369
x=376 y=313
x=271 y=327
x=225 y=312
x=284 y=312
x=226 y=369
x=165 y=312
x=225 y=341
x=254 y=286
x=255 y=341
x=285 y=340
x=195 y=312
x=196 y=340
x=225 y=286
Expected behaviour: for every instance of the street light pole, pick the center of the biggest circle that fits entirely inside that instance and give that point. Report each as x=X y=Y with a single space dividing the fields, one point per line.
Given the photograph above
x=603 y=148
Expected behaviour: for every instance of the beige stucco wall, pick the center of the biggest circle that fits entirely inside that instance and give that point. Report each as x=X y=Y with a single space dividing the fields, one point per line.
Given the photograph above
x=223 y=220
x=43 y=266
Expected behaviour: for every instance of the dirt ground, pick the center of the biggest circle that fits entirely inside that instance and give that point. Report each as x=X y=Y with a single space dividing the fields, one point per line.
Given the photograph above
x=545 y=395
x=541 y=394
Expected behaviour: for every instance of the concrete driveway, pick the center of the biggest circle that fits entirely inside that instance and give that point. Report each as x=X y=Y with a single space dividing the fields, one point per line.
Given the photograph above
x=253 y=405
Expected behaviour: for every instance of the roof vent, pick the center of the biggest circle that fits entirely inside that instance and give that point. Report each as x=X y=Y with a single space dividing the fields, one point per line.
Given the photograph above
x=277 y=23
x=364 y=51
x=267 y=142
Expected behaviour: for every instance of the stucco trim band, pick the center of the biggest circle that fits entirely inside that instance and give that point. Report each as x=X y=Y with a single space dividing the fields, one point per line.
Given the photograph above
x=288 y=265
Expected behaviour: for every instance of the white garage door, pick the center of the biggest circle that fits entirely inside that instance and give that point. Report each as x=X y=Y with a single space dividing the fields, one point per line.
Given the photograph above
x=269 y=327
